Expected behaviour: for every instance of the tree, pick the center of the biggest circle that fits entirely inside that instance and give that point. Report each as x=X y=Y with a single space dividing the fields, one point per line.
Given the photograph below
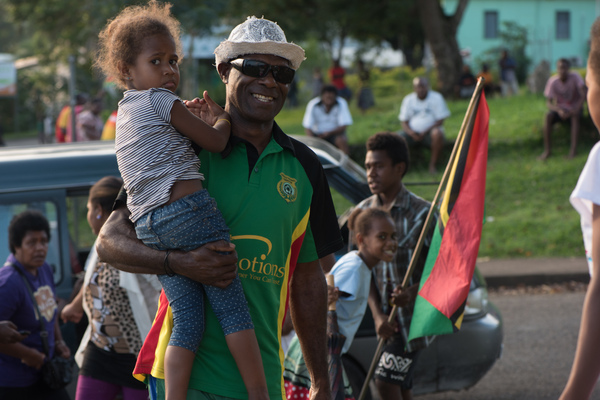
x=440 y=32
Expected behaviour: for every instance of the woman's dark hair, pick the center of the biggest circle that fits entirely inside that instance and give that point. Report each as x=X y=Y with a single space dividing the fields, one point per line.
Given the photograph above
x=30 y=220
x=361 y=219
x=393 y=144
x=105 y=191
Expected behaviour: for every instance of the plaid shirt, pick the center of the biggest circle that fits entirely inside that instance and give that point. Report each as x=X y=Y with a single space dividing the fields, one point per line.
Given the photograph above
x=409 y=211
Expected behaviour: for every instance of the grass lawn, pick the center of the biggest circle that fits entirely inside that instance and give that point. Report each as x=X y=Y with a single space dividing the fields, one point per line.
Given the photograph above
x=528 y=213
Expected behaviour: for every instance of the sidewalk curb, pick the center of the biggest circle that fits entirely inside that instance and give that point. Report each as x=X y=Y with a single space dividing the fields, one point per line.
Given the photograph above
x=533 y=271
x=535 y=280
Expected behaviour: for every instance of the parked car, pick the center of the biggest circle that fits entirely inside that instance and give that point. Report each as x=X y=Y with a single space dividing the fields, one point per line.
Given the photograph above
x=55 y=178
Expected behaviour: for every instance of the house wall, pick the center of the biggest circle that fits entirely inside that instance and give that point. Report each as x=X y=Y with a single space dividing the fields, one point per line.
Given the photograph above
x=538 y=17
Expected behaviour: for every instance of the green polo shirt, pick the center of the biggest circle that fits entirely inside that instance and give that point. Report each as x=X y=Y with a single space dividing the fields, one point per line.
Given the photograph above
x=280 y=213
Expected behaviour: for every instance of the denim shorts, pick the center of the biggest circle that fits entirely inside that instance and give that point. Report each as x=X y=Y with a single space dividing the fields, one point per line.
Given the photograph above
x=186 y=224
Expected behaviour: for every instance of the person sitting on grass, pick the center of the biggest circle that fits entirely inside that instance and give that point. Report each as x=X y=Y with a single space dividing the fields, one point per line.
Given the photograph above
x=565 y=93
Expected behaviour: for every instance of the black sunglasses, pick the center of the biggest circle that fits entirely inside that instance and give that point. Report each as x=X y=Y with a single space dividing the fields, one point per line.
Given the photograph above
x=259 y=69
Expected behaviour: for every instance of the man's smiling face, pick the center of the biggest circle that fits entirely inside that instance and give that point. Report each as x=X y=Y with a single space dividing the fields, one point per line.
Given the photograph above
x=256 y=99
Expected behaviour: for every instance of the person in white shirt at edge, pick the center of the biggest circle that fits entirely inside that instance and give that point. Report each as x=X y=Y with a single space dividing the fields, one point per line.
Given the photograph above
x=422 y=115
x=327 y=117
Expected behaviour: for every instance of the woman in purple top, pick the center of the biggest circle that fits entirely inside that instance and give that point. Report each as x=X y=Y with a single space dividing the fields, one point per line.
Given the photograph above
x=20 y=363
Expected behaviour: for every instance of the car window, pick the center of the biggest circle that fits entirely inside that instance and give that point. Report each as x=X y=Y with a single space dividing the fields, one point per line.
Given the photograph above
x=341 y=203
x=80 y=233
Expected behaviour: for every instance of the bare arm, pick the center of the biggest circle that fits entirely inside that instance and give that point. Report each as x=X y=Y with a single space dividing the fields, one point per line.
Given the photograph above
x=28 y=356
x=327 y=262
x=384 y=329
x=413 y=134
x=9 y=333
x=74 y=310
x=119 y=247
x=60 y=347
x=211 y=132
x=308 y=302
x=336 y=131
x=586 y=366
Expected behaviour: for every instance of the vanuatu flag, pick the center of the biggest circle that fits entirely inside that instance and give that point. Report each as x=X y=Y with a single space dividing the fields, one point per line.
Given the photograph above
x=446 y=279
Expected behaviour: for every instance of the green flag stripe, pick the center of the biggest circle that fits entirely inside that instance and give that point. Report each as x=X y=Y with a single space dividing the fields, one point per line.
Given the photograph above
x=434 y=249
x=427 y=320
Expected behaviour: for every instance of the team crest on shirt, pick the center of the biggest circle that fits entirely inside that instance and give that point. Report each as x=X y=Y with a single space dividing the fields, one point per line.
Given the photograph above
x=287 y=188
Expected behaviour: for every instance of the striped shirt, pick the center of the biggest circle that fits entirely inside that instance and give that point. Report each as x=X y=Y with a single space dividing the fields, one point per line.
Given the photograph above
x=151 y=154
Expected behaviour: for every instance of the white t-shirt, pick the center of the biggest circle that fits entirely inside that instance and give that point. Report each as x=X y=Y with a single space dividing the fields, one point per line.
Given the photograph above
x=585 y=194
x=353 y=277
x=422 y=114
x=319 y=121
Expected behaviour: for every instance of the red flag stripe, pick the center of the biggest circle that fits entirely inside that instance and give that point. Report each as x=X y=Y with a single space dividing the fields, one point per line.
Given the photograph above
x=448 y=284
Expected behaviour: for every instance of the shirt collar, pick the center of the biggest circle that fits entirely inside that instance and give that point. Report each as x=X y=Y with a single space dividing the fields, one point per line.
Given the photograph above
x=276 y=134
x=402 y=200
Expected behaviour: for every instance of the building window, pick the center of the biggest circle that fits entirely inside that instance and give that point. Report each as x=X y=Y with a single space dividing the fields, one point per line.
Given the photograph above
x=490 y=27
x=563 y=25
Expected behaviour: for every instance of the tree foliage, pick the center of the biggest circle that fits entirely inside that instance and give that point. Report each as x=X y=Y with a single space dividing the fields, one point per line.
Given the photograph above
x=53 y=30
x=440 y=31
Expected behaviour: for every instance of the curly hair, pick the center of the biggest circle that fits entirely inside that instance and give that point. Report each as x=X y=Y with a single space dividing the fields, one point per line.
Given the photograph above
x=361 y=219
x=393 y=144
x=120 y=42
x=20 y=224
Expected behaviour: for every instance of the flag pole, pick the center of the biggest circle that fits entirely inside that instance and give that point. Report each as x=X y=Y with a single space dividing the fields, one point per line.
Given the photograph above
x=428 y=219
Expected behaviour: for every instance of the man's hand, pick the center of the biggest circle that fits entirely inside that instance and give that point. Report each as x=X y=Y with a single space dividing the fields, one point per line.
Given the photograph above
x=564 y=114
x=416 y=136
x=207 y=264
x=9 y=333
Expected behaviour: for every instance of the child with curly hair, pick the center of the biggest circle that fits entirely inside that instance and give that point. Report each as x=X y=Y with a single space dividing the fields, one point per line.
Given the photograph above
x=141 y=49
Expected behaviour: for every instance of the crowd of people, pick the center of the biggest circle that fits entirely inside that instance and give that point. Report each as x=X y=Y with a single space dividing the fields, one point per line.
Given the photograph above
x=164 y=242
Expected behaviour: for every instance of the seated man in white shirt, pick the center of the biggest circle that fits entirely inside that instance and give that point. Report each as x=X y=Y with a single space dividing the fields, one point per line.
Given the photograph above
x=327 y=117
x=422 y=114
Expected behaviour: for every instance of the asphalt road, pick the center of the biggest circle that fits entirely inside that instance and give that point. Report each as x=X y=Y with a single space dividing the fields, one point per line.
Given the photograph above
x=540 y=336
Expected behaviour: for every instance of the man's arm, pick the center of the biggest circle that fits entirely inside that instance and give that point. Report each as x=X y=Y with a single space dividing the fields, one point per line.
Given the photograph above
x=308 y=303
x=340 y=129
x=413 y=134
x=118 y=246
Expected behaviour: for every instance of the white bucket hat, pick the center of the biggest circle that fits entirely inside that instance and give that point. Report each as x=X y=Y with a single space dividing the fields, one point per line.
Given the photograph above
x=258 y=36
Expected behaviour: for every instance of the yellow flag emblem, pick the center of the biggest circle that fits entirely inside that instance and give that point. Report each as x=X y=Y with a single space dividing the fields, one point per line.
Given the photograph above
x=287 y=188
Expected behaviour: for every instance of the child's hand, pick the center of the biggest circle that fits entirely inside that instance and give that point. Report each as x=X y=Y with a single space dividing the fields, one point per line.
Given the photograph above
x=194 y=106
x=333 y=294
x=401 y=297
x=384 y=329
x=211 y=112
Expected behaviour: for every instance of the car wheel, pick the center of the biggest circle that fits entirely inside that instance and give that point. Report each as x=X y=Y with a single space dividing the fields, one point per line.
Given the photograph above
x=357 y=376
